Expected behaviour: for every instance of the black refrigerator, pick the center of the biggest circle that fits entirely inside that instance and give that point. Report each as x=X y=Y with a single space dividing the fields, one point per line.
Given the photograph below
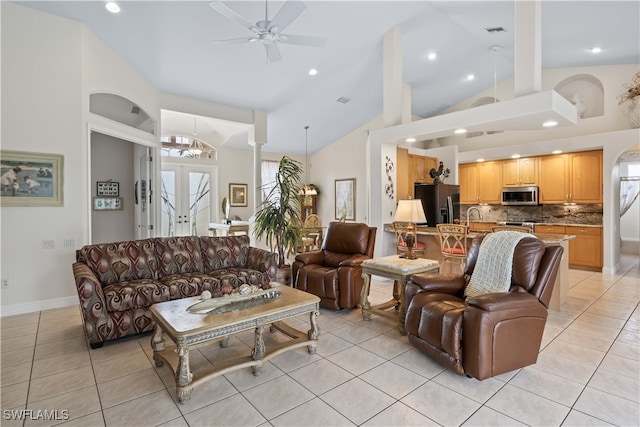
x=441 y=202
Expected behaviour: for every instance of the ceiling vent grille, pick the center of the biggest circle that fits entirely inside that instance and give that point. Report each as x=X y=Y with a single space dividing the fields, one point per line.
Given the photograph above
x=495 y=30
x=343 y=99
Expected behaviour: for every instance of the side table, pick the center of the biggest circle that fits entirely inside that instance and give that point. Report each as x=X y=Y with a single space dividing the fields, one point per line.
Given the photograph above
x=398 y=269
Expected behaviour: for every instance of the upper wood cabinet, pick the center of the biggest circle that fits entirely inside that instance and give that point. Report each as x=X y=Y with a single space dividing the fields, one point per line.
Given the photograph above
x=419 y=167
x=480 y=182
x=571 y=178
x=520 y=172
x=412 y=168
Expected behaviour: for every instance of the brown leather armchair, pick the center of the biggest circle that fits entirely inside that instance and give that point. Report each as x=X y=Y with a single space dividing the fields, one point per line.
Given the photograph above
x=334 y=273
x=489 y=334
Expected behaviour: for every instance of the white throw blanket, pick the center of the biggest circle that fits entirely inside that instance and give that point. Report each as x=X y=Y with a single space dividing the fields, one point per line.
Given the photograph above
x=492 y=272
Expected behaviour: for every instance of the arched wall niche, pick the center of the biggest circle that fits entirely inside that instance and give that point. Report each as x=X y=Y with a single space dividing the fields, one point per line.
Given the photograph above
x=586 y=92
x=477 y=103
x=121 y=110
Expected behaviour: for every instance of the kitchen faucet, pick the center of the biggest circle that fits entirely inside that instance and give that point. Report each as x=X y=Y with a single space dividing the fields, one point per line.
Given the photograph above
x=477 y=210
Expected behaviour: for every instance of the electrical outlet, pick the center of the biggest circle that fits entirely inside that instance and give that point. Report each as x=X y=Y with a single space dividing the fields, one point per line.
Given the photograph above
x=5 y=283
x=48 y=244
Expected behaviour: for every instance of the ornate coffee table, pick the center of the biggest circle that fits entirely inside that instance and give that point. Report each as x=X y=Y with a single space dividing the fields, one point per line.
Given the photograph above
x=187 y=329
x=398 y=269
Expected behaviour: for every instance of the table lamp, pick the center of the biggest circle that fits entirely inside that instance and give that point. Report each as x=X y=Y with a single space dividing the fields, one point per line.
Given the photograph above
x=411 y=212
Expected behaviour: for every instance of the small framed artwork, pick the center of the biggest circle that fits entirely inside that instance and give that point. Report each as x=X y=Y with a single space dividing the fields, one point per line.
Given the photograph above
x=31 y=179
x=345 y=199
x=107 y=188
x=107 y=203
x=238 y=194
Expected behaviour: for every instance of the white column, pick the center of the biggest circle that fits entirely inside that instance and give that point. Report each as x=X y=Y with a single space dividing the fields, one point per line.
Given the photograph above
x=406 y=103
x=528 y=47
x=392 y=89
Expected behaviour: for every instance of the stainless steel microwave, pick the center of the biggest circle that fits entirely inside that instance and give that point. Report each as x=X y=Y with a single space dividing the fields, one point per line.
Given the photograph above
x=520 y=195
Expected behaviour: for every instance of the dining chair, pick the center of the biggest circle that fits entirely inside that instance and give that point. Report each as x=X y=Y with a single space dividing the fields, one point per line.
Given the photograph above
x=453 y=245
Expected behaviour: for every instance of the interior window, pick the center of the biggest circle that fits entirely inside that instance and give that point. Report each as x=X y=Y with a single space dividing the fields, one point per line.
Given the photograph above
x=184 y=146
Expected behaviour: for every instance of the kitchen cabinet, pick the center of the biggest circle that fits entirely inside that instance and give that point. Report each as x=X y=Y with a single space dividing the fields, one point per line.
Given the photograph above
x=571 y=178
x=549 y=229
x=520 y=172
x=481 y=226
x=480 y=182
x=419 y=167
x=586 y=249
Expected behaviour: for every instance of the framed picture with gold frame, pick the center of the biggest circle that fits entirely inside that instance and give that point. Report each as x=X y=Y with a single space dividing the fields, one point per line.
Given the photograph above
x=238 y=195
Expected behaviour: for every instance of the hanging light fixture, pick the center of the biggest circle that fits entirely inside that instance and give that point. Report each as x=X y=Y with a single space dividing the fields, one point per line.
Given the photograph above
x=195 y=147
x=307 y=189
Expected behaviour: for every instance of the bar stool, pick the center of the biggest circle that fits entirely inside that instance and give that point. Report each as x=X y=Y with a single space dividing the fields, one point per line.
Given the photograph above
x=453 y=246
x=400 y=229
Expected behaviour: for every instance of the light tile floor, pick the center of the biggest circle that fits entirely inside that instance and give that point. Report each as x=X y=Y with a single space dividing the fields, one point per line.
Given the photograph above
x=364 y=373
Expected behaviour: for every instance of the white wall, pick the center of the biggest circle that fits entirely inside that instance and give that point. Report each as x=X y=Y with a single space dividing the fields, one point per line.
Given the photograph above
x=42 y=112
x=112 y=159
x=50 y=66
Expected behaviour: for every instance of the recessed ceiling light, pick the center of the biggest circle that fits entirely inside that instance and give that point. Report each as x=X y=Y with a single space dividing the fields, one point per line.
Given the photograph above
x=431 y=56
x=550 y=124
x=112 y=7
x=556 y=152
x=313 y=72
x=480 y=160
x=470 y=77
x=410 y=140
x=515 y=156
x=595 y=49
x=460 y=131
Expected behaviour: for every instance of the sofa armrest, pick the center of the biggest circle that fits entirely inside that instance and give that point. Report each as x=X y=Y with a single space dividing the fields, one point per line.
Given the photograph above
x=441 y=283
x=505 y=301
x=92 y=303
x=264 y=261
x=314 y=257
x=354 y=261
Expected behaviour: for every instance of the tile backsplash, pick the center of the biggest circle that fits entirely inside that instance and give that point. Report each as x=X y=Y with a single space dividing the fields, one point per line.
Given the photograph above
x=551 y=214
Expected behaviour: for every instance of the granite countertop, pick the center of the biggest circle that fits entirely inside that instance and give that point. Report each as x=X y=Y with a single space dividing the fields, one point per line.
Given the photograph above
x=562 y=224
x=548 y=238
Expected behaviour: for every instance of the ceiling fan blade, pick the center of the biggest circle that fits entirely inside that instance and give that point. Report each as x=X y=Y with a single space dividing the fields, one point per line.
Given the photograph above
x=286 y=15
x=302 y=40
x=273 y=53
x=230 y=14
x=234 y=41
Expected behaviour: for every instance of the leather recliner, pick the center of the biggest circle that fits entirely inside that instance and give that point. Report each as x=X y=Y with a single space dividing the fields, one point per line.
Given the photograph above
x=334 y=273
x=489 y=334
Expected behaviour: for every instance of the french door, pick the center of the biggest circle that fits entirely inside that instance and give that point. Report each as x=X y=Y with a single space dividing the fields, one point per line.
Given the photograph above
x=187 y=194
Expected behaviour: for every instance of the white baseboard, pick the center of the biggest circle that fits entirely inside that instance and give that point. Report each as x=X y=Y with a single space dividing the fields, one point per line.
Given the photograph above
x=30 y=307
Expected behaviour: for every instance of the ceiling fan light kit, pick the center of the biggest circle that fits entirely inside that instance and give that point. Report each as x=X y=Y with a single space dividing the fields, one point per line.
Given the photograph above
x=269 y=32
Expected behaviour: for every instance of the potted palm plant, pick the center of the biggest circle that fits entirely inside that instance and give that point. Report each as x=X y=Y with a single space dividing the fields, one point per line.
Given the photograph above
x=278 y=217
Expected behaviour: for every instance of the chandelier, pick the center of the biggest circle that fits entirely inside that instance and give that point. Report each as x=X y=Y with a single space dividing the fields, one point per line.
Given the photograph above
x=307 y=189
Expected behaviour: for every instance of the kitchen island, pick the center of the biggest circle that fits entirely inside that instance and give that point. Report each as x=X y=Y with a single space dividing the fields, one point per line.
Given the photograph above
x=430 y=237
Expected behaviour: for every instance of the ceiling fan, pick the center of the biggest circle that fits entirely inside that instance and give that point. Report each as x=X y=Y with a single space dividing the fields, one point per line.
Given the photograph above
x=269 y=32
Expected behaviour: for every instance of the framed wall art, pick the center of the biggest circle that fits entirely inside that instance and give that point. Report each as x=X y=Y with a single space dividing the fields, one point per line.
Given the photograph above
x=31 y=179
x=107 y=188
x=345 y=199
x=238 y=194
x=107 y=203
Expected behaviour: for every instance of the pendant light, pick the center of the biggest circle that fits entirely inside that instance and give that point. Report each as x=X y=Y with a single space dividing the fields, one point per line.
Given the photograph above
x=195 y=147
x=307 y=189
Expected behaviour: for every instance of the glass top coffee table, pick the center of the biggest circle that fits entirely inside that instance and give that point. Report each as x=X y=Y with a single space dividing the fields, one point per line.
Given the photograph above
x=187 y=329
x=398 y=269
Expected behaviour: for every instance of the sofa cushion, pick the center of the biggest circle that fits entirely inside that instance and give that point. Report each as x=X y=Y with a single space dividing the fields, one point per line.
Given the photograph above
x=121 y=261
x=178 y=255
x=191 y=285
x=224 y=252
x=135 y=294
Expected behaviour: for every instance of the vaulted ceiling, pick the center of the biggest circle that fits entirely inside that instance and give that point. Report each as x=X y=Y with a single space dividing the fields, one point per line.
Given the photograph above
x=168 y=43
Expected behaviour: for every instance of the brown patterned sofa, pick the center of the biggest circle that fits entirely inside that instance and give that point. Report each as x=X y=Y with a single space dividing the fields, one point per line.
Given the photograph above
x=118 y=282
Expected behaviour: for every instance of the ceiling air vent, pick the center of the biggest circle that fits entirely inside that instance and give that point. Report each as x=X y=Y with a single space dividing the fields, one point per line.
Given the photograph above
x=495 y=30
x=343 y=99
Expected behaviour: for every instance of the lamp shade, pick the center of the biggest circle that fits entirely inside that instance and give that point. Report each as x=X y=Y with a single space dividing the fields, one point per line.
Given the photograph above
x=410 y=211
